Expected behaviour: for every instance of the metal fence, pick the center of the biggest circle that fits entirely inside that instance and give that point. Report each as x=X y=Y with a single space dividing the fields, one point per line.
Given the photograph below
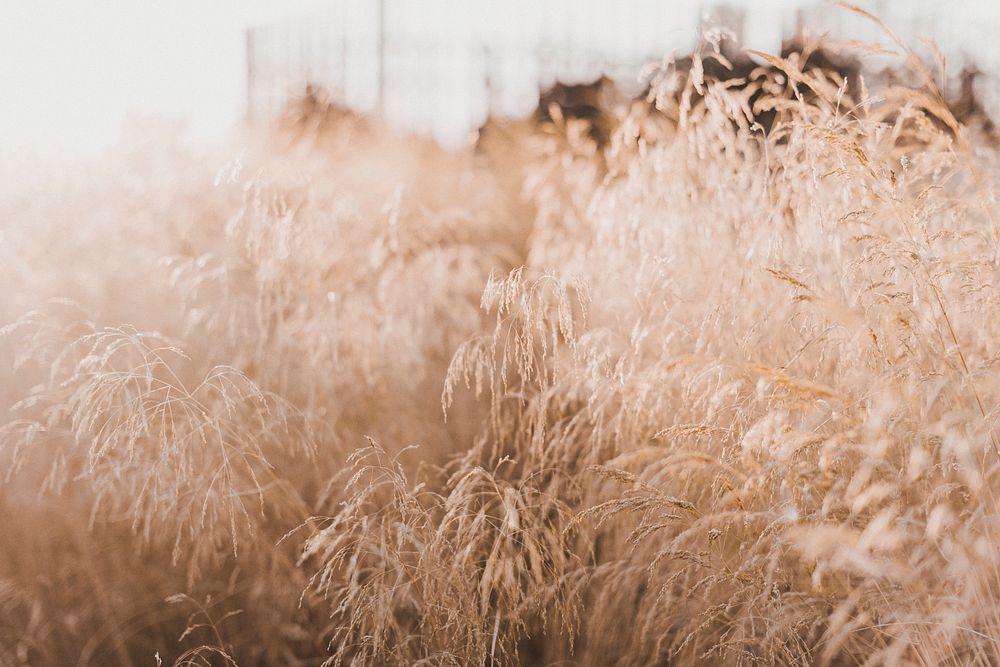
x=439 y=67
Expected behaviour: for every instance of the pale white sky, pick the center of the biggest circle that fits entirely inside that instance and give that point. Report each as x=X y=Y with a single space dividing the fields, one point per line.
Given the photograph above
x=70 y=70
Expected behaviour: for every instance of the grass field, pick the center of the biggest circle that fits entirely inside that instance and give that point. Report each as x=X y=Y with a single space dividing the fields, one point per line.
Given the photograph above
x=722 y=391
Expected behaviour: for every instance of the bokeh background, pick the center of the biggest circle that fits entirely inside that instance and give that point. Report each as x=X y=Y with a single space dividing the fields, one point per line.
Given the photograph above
x=75 y=73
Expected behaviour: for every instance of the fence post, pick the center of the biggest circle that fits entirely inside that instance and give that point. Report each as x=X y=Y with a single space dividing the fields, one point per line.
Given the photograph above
x=251 y=106
x=381 y=58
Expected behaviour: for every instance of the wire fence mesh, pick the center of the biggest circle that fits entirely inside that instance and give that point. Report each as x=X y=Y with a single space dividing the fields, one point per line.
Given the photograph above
x=440 y=67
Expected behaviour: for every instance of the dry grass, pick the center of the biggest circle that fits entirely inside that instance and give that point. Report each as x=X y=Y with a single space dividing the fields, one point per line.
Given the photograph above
x=716 y=394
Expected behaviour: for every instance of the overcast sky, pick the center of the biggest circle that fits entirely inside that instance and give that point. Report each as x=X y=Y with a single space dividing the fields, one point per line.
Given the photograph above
x=71 y=70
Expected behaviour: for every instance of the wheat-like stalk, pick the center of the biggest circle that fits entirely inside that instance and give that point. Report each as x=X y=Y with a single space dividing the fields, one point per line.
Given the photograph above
x=717 y=388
